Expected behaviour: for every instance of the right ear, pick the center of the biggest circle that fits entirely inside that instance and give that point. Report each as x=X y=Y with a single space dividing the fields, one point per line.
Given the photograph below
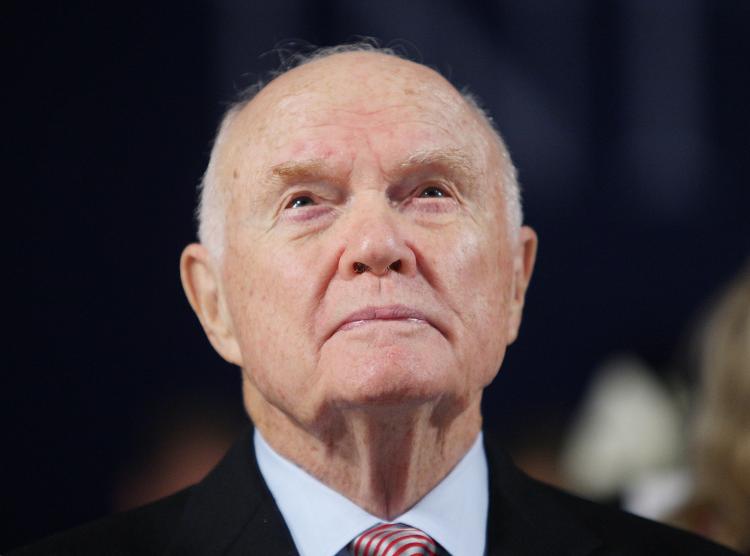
x=201 y=280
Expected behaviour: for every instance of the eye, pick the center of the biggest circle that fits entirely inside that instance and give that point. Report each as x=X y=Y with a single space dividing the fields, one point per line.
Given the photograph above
x=433 y=192
x=300 y=202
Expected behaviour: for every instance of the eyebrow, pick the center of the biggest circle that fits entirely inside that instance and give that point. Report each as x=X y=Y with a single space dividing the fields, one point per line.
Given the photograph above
x=285 y=174
x=453 y=160
x=315 y=168
x=301 y=170
x=456 y=161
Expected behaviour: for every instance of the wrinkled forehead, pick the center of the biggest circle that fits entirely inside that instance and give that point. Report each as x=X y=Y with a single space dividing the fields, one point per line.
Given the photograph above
x=410 y=104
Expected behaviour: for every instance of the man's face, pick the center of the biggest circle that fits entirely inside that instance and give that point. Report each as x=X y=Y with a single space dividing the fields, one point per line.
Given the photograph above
x=367 y=257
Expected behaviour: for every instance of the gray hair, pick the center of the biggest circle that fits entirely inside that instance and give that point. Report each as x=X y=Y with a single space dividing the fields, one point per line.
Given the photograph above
x=212 y=197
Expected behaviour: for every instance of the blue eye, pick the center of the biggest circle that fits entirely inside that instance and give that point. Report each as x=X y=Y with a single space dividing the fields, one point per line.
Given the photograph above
x=433 y=192
x=300 y=202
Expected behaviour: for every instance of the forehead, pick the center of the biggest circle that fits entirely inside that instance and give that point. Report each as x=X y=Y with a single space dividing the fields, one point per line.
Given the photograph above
x=361 y=82
x=332 y=106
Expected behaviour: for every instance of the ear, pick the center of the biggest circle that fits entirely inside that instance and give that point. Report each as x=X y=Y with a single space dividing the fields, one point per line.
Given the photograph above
x=201 y=280
x=523 y=266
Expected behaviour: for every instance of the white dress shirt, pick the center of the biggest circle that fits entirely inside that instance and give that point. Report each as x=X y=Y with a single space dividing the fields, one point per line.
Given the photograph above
x=323 y=522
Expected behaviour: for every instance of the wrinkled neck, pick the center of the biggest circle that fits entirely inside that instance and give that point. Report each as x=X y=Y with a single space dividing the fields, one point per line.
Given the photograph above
x=384 y=459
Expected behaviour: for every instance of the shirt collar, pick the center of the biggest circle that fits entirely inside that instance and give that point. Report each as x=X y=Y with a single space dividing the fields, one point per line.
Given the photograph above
x=454 y=513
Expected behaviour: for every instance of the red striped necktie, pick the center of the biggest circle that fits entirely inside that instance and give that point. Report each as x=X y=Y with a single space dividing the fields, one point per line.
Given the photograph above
x=393 y=539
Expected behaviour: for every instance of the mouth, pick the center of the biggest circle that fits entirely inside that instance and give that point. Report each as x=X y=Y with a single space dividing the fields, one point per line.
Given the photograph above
x=371 y=314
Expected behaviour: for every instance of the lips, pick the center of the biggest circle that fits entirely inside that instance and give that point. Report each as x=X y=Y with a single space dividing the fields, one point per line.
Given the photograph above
x=383 y=313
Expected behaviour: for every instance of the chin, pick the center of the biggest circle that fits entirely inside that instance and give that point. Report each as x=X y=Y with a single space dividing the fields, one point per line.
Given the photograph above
x=392 y=376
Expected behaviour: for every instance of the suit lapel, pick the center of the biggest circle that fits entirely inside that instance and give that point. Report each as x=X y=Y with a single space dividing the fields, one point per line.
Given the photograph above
x=232 y=511
x=524 y=519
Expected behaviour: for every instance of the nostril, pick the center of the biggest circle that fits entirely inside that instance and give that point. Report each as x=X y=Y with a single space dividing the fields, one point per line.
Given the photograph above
x=395 y=265
x=360 y=268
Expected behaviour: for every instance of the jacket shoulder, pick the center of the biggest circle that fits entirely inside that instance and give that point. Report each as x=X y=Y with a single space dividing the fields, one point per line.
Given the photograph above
x=143 y=531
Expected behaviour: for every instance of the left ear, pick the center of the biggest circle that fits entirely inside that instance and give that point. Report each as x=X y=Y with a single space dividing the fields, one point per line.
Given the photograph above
x=523 y=266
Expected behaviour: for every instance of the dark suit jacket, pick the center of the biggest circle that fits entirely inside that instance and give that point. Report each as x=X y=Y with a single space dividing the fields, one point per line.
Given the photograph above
x=232 y=512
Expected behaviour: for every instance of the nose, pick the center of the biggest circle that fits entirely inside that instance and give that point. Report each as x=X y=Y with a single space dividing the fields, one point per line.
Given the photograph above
x=376 y=244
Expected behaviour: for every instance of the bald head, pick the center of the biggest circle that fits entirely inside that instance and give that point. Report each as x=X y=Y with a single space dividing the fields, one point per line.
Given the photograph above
x=352 y=81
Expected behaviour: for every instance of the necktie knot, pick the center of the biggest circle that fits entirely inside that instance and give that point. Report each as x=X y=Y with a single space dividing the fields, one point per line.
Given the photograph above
x=393 y=539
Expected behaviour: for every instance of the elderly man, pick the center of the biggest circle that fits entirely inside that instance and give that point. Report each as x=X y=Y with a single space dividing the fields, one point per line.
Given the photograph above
x=362 y=260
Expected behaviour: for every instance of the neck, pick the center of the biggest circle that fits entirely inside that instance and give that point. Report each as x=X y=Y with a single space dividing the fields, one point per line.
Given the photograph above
x=384 y=459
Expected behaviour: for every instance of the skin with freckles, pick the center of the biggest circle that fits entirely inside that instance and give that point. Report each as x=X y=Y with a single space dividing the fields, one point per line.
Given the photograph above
x=369 y=285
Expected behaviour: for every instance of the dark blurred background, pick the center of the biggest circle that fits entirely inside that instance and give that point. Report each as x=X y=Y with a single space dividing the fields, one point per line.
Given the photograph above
x=628 y=120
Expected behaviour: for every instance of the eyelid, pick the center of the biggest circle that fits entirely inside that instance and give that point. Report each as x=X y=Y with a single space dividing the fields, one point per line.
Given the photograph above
x=427 y=206
x=321 y=207
x=288 y=200
x=320 y=191
x=447 y=191
x=295 y=192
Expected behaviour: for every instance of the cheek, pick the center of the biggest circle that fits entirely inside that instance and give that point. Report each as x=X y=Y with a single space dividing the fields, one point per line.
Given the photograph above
x=270 y=297
x=479 y=290
x=479 y=276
